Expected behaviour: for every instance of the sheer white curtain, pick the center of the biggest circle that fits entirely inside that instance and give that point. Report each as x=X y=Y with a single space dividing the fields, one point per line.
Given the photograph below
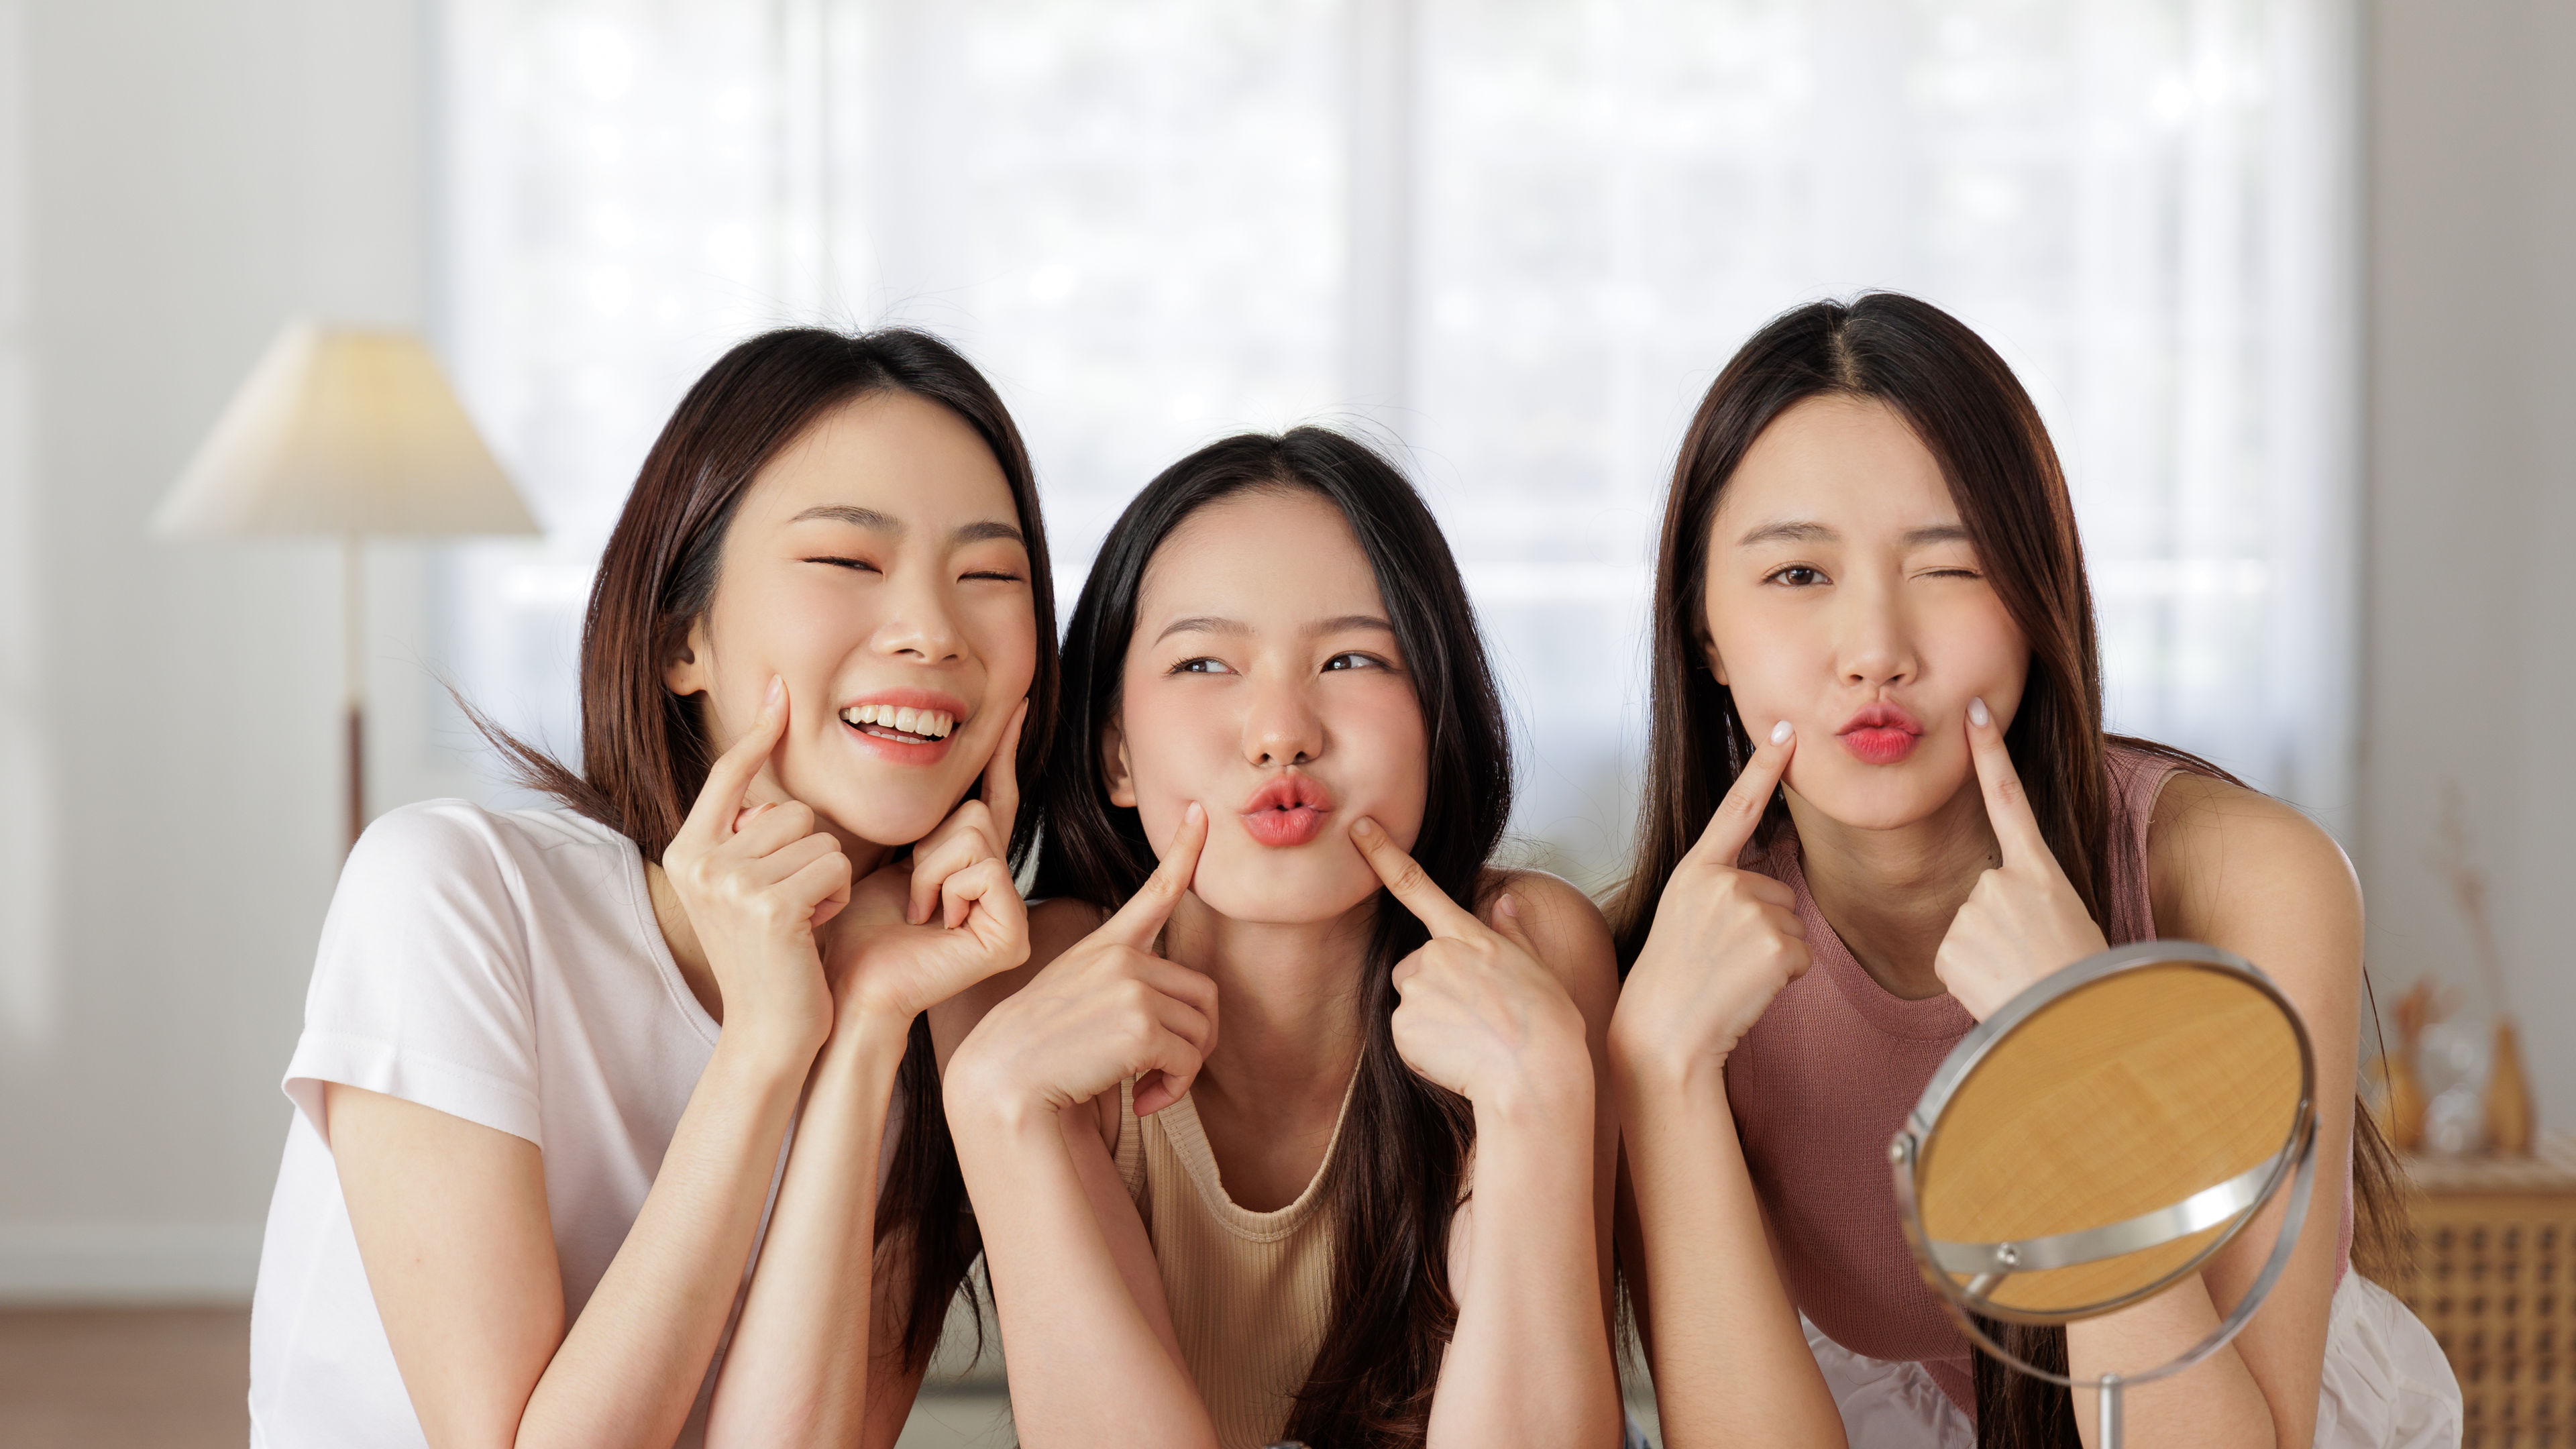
x=1514 y=238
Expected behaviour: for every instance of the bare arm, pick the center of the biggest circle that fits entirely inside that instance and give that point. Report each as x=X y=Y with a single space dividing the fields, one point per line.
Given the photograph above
x=817 y=1356
x=1093 y=1358
x=451 y=1218
x=1530 y=1251
x=2249 y=874
x=1731 y=1365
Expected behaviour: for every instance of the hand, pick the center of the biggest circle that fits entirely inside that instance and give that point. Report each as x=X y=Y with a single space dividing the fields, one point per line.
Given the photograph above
x=2024 y=920
x=1477 y=1011
x=1106 y=1010
x=1724 y=942
x=757 y=883
x=921 y=930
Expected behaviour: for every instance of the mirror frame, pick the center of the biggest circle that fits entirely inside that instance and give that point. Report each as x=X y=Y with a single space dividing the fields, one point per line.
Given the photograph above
x=2294 y=1166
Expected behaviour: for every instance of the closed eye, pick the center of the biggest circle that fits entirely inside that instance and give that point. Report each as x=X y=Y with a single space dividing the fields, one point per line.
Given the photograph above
x=859 y=564
x=1796 y=576
x=1951 y=573
x=1001 y=575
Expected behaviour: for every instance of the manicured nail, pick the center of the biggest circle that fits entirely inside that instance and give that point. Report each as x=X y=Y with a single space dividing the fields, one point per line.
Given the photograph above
x=1509 y=907
x=777 y=692
x=1780 y=732
x=1364 y=826
x=1978 y=714
x=1192 y=815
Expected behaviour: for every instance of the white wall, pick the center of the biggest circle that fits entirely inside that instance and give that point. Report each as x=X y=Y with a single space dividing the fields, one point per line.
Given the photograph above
x=2471 y=572
x=191 y=174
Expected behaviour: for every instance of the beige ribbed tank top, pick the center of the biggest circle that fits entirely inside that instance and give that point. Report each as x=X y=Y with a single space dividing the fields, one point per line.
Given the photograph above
x=1250 y=1293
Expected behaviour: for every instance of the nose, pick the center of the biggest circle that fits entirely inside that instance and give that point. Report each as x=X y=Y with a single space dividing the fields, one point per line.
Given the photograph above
x=922 y=627
x=1875 y=647
x=1282 y=728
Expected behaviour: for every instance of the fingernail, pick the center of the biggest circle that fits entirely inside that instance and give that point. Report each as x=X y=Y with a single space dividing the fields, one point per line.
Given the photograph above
x=1509 y=907
x=1192 y=815
x=1780 y=733
x=777 y=692
x=1978 y=714
x=1364 y=826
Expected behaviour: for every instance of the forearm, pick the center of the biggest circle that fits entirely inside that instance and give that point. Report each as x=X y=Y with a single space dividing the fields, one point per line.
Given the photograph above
x=798 y=1369
x=1086 y=1365
x=630 y=1368
x=2216 y=1402
x=1530 y=1363
x=1730 y=1363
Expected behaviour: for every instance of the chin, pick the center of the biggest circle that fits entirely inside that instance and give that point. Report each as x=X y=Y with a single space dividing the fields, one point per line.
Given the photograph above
x=1260 y=892
x=1873 y=797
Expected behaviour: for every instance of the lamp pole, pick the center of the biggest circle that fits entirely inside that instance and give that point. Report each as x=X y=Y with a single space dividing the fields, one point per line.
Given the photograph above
x=353 y=664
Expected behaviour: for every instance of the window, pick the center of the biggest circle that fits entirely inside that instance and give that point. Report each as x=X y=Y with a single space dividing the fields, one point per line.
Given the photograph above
x=1515 y=240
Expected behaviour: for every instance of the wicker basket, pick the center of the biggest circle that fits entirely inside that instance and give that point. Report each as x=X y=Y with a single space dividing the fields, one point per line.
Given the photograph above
x=2495 y=1241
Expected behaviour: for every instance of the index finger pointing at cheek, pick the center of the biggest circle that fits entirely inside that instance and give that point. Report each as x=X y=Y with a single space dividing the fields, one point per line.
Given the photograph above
x=720 y=799
x=2007 y=803
x=1408 y=882
x=1741 y=811
x=1002 y=776
x=1141 y=919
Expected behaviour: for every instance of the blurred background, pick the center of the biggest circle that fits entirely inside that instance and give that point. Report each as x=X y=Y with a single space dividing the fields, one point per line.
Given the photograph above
x=2289 y=278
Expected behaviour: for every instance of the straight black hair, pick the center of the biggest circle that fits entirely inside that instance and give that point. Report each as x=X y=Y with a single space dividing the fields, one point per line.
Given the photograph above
x=1395 y=1180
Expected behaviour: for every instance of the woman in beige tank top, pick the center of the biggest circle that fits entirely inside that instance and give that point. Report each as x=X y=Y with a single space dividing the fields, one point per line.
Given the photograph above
x=1880 y=803
x=1294 y=1144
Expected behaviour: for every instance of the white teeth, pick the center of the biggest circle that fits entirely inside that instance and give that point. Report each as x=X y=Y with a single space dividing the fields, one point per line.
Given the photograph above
x=928 y=723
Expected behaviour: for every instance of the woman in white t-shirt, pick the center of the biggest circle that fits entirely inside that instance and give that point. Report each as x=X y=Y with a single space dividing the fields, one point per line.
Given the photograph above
x=551 y=1058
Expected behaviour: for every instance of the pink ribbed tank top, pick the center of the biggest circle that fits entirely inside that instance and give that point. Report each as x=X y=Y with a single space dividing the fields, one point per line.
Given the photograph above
x=1824 y=1080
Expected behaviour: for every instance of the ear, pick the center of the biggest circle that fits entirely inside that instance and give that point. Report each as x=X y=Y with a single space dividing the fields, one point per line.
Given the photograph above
x=685 y=673
x=1115 y=766
x=1708 y=654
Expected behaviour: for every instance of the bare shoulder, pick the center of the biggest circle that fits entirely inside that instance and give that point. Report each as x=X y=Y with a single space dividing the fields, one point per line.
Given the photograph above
x=1571 y=934
x=2223 y=860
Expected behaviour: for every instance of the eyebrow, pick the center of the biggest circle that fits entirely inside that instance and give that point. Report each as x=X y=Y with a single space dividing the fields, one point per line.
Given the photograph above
x=1799 y=531
x=1215 y=624
x=869 y=518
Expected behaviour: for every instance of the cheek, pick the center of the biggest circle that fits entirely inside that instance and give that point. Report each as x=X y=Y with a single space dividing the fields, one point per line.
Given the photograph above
x=1006 y=638
x=1385 y=763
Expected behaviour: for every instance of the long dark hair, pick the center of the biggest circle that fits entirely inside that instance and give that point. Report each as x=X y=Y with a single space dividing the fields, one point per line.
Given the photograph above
x=644 y=750
x=1395 y=1180
x=1963 y=402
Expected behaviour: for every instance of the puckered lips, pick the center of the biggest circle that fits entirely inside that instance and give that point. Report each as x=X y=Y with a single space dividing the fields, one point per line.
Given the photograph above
x=1287 y=811
x=1880 y=734
x=904 y=726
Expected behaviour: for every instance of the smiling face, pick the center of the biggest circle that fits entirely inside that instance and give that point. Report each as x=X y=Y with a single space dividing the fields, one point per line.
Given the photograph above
x=876 y=565
x=1263 y=680
x=1844 y=596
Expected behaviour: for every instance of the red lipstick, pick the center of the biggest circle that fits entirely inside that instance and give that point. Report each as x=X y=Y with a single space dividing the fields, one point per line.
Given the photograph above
x=1881 y=734
x=1288 y=811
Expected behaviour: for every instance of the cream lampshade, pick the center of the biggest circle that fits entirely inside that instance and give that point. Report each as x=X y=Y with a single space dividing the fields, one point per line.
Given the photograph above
x=344 y=433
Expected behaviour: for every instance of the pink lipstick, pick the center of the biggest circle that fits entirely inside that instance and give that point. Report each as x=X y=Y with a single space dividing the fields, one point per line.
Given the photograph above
x=1289 y=811
x=1881 y=734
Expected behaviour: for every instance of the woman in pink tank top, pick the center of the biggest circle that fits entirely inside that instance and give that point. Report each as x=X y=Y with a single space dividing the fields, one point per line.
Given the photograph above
x=1879 y=803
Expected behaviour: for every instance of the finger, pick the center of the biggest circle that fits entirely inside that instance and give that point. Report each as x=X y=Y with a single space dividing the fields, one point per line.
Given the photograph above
x=1740 y=813
x=1140 y=920
x=772 y=828
x=1002 y=778
x=956 y=850
x=1409 y=883
x=822 y=882
x=1509 y=925
x=1180 y=983
x=986 y=882
x=731 y=775
x=1169 y=1080
x=2007 y=803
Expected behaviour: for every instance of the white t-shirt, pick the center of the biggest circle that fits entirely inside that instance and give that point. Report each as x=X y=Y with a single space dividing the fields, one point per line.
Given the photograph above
x=504 y=968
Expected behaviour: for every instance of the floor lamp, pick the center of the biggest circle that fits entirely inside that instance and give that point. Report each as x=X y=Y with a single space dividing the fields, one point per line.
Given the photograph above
x=346 y=434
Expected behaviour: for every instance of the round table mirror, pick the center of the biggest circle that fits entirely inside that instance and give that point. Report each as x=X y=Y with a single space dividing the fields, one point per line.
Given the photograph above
x=2091 y=1145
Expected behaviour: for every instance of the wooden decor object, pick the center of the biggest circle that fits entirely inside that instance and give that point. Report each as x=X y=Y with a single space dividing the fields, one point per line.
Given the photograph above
x=2495 y=1245
x=2508 y=1096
